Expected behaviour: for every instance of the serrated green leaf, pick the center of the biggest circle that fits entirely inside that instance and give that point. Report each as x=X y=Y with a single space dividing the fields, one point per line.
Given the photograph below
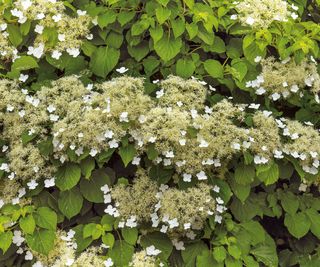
x=268 y=174
x=127 y=153
x=5 y=240
x=219 y=253
x=185 y=68
x=103 y=60
x=108 y=239
x=314 y=217
x=70 y=202
x=160 y=241
x=91 y=189
x=244 y=174
x=297 y=224
x=41 y=241
x=130 y=235
x=121 y=253
x=162 y=14
x=87 y=166
x=68 y=176
x=24 y=63
x=27 y=224
x=168 y=47
x=214 y=68
x=46 y=218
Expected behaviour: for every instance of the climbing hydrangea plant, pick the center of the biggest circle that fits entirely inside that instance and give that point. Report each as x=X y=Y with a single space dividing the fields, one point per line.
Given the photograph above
x=159 y=133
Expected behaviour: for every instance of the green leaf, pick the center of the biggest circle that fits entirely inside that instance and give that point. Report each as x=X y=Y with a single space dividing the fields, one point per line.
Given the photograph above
x=139 y=27
x=160 y=241
x=87 y=166
x=26 y=138
x=239 y=69
x=46 y=147
x=127 y=153
x=314 y=217
x=108 y=17
x=130 y=235
x=150 y=64
x=108 y=239
x=214 y=68
x=191 y=252
x=91 y=189
x=68 y=176
x=5 y=240
x=297 y=224
x=162 y=14
x=159 y=174
x=185 y=68
x=268 y=174
x=289 y=202
x=138 y=52
x=192 y=30
x=156 y=33
x=241 y=191
x=88 y=48
x=244 y=174
x=266 y=253
x=125 y=17
x=27 y=224
x=255 y=232
x=219 y=253
x=206 y=259
x=103 y=60
x=234 y=48
x=41 y=241
x=46 y=218
x=70 y=202
x=92 y=230
x=168 y=47
x=121 y=253
x=15 y=35
x=178 y=27
x=218 y=45
x=234 y=251
x=24 y=63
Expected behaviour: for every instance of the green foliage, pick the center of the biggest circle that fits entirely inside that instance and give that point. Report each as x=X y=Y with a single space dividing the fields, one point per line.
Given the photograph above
x=271 y=219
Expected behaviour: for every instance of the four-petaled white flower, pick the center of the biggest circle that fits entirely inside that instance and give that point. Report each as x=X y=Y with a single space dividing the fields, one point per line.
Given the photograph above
x=108 y=262
x=28 y=256
x=39 y=29
x=105 y=189
x=202 y=176
x=81 y=12
x=23 y=77
x=57 y=17
x=122 y=70
x=187 y=177
x=73 y=52
x=152 y=251
x=49 y=182
x=159 y=93
x=32 y=184
x=179 y=245
x=56 y=54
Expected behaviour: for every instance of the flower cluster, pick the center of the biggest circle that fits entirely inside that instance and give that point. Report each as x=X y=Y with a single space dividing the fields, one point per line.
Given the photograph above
x=175 y=211
x=83 y=120
x=55 y=31
x=261 y=13
x=64 y=254
x=285 y=78
x=142 y=259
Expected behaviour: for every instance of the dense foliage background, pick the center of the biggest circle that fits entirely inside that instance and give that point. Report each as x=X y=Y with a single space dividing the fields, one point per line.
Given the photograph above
x=272 y=216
